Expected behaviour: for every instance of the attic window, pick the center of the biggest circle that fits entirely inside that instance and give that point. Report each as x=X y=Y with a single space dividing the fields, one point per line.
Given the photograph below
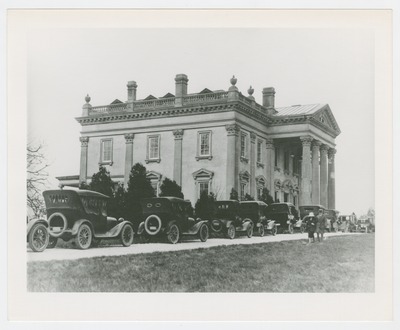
x=321 y=119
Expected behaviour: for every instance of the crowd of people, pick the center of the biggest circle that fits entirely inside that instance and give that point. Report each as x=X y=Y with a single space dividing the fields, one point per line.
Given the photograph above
x=315 y=224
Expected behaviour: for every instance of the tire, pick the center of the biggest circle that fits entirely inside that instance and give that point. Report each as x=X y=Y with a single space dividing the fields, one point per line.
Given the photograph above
x=52 y=242
x=216 y=226
x=38 y=237
x=84 y=237
x=147 y=228
x=126 y=235
x=261 y=230
x=274 y=231
x=249 y=231
x=231 y=232
x=174 y=234
x=203 y=232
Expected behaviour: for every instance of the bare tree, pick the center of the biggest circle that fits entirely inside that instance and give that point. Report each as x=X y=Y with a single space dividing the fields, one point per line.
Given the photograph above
x=36 y=179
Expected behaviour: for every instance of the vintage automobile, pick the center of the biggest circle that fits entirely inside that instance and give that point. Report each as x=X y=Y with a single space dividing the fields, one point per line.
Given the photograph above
x=170 y=217
x=364 y=224
x=81 y=215
x=255 y=211
x=37 y=234
x=228 y=220
x=306 y=209
x=343 y=223
x=285 y=214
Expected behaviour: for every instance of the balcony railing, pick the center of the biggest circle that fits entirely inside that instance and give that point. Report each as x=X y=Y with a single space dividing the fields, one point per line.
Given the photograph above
x=195 y=99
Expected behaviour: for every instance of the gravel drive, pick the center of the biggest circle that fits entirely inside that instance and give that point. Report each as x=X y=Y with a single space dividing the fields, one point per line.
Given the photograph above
x=187 y=244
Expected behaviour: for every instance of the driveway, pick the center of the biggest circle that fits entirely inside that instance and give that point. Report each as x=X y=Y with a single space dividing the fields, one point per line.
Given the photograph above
x=187 y=244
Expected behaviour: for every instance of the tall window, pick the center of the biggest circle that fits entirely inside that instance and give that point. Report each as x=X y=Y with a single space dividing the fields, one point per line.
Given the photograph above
x=243 y=145
x=153 y=148
x=242 y=190
x=286 y=161
x=285 y=197
x=106 y=151
x=204 y=187
x=204 y=145
x=259 y=151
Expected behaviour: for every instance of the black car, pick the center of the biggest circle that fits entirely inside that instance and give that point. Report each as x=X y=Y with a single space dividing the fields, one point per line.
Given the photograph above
x=285 y=214
x=82 y=215
x=256 y=211
x=170 y=217
x=228 y=220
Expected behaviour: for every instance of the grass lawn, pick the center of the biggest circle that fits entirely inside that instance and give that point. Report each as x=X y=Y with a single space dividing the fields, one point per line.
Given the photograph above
x=339 y=264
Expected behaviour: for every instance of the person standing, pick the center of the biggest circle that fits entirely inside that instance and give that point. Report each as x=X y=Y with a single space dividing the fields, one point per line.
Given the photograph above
x=311 y=223
x=321 y=224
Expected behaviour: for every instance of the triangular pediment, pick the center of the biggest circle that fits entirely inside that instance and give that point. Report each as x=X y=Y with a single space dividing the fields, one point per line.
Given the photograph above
x=203 y=173
x=324 y=117
x=153 y=175
x=167 y=96
x=150 y=97
x=116 y=101
x=206 y=91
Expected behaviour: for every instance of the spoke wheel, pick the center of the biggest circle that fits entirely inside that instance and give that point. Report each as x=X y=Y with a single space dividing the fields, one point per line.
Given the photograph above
x=231 y=233
x=38 y=237
x=174 y=234
x=261 y=230
x=52 y=242
x=203 y=232
x=127 y=235
x=83 y=238
x=274 y=231
x=302 y=229
x=249 y=231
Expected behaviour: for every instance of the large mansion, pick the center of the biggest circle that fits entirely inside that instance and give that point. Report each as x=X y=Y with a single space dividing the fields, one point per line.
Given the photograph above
x=214 y=141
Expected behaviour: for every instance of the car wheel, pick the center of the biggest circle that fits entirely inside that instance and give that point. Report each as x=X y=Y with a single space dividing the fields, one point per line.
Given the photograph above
x=38 y=237
x=261 y=230
x=231 y=232
x=302 y=229
x=173 y=234
x=127 y=235
x=83 y=238
x=203 y=232
x=274 y=231
x=52 y=242
x=249 y=231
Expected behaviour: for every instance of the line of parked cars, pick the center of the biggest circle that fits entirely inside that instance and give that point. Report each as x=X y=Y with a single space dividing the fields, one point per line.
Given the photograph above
x=81 y=216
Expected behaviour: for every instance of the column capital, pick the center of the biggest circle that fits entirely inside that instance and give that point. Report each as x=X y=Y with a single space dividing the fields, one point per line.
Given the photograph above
x=232 y=129
x=84 y=141
x=316 y=144
x=306 y=140
x=129 y=138
x=324 y=148
x=331 y=152
x=253 y=137
x=178 y=133
x=269 y=143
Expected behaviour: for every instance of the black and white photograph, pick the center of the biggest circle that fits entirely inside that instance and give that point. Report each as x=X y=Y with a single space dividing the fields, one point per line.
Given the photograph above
x=216 y=157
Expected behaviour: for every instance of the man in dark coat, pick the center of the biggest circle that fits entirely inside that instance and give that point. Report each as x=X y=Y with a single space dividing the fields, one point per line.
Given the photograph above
x=321 y=224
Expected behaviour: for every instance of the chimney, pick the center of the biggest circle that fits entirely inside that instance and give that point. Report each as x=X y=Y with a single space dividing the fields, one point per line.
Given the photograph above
x=269 y=97
x=181 y=81
x=131 y=91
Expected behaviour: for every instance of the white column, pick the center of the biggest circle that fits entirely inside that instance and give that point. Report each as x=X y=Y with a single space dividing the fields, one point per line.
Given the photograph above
x=315 y=173
x=178 y=134
x=305 y=194
x=84 y=159
x=324 y=175
x=128 y=157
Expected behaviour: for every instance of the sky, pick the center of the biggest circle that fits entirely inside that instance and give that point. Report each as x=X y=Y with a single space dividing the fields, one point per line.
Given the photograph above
x=305 y=66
